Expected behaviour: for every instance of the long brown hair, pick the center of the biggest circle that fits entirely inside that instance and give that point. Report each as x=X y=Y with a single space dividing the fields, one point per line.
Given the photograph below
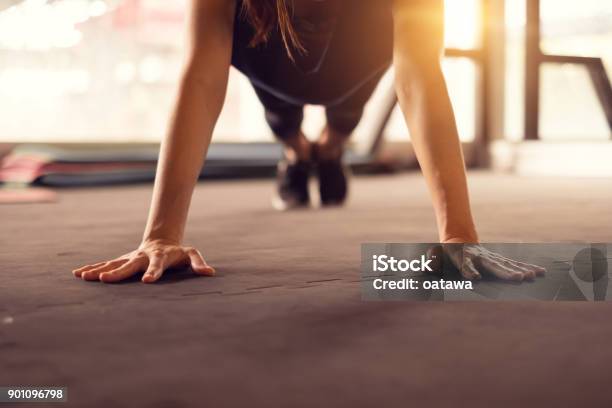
x=268 y=15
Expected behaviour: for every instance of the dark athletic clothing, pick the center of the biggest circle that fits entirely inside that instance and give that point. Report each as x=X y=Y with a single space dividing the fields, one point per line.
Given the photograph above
x=349 y=47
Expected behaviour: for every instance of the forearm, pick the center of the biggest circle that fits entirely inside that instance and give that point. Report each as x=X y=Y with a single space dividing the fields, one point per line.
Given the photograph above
x=426 y=105
x=200 y=99
x=181 y=158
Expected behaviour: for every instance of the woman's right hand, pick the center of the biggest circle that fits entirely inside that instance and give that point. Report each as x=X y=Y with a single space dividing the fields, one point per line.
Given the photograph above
x=152 y=258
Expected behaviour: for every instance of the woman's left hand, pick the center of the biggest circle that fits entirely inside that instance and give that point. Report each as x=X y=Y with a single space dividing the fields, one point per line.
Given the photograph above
x=474 y=260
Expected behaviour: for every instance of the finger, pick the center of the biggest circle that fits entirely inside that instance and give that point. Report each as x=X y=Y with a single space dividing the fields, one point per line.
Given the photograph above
x=468 y=270
x=509 y=264
x=94 y=273
x=125 y=271
x=501 y=271
x=155 y=269
x=529 y=273
x=198 y=264
x=538 y=270
x=79 y=271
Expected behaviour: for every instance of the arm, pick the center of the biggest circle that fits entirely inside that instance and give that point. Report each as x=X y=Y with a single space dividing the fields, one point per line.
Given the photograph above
x=424 y=99
x=200 y=100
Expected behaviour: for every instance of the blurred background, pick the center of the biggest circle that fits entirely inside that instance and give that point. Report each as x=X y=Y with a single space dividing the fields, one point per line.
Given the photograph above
x=105 y=72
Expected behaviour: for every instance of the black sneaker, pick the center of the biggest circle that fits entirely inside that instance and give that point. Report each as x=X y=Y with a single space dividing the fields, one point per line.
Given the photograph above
x=292 y=185
x=333 y=184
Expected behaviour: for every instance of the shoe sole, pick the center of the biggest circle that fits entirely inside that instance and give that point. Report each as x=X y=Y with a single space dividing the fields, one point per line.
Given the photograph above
x=282 y=205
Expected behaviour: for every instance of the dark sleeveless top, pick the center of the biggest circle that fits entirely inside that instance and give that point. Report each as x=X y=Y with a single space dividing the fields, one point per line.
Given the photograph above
x=348 y=42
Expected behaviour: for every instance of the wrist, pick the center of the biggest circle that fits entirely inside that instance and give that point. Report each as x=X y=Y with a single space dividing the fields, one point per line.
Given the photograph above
x=459 y=236
x=459 y=240
x=162 y=234
x=455 y=223
x=463 y=238
x=148 y=241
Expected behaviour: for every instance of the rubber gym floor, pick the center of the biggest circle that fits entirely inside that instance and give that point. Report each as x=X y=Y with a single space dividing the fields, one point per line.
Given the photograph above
x=283 y=323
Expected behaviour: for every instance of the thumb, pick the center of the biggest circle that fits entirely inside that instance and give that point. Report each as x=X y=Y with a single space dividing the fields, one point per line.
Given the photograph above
x=198 y=264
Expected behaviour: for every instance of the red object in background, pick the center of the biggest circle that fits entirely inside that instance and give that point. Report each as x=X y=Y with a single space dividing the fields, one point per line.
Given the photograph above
x=27 y=195
x=127 y=14
x=30 y=169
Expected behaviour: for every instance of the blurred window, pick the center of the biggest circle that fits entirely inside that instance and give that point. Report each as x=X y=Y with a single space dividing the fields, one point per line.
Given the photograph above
x=569 y=106
x=106 y=71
